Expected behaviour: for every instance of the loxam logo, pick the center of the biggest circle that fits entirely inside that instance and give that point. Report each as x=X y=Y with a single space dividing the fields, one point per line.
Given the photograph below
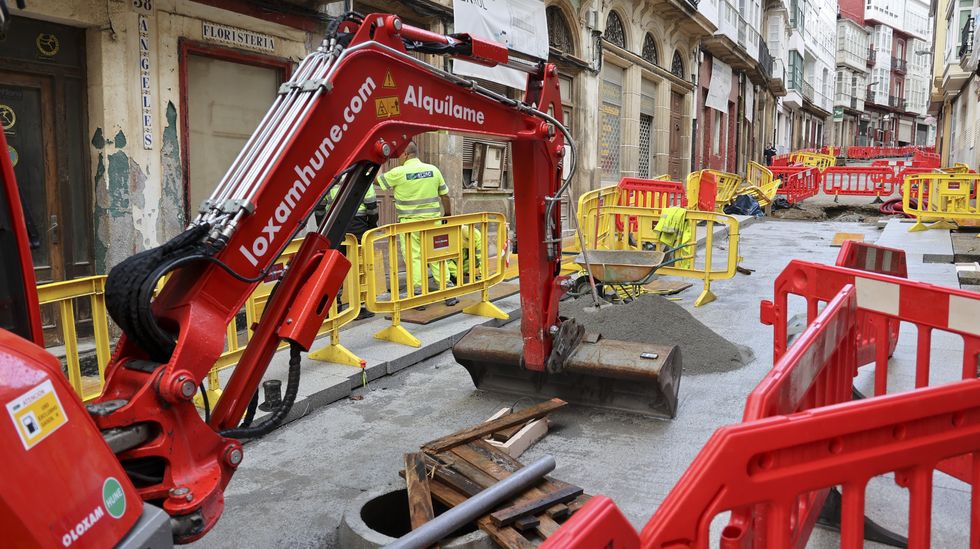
x=306 y=176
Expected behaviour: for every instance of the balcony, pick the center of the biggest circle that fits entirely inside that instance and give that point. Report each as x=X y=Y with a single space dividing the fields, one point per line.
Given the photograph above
x=899 y=65
x=966 y=38
x=765 y=60
x=872 y=54
x=807 y=90
x=896 y=102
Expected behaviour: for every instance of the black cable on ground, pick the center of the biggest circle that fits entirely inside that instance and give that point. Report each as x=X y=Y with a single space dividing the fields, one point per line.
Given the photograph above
x=276 y=417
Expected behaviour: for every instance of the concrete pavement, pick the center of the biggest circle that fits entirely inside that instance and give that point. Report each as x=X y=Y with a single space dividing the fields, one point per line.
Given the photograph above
x=293 y=485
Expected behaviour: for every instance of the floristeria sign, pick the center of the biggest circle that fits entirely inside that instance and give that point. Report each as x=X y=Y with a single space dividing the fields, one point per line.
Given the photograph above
x=234 y=36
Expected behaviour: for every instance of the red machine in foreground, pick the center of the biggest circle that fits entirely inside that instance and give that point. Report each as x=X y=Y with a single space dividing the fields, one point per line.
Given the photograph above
x=139 y=466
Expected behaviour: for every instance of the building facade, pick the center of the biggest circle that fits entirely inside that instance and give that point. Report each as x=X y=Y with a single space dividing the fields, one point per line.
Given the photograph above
x=122 y=115
x=800 y=35
x=956 y=80
x=898 y=59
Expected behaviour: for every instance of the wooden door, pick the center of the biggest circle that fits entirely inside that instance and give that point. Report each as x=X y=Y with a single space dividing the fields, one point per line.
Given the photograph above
x=676 y=118
x=27 y=114
x=226 y=99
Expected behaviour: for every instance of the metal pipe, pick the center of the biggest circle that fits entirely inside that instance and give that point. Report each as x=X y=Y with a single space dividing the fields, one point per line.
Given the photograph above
x=476 y=506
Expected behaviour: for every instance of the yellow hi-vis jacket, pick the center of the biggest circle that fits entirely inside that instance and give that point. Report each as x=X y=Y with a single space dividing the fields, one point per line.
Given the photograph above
x=369 y=206
x=417 y=187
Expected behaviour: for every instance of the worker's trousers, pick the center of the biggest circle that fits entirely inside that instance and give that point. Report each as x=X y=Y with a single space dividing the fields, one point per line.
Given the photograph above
x=413 y=255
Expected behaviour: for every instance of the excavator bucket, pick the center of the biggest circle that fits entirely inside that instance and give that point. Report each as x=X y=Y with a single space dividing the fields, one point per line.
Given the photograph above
x=603 y=373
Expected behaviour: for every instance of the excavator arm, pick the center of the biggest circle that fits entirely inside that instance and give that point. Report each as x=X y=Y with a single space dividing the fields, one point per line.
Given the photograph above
x=350 y=106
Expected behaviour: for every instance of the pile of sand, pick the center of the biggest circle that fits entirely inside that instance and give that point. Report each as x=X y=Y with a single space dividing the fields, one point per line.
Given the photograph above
x=653 y=319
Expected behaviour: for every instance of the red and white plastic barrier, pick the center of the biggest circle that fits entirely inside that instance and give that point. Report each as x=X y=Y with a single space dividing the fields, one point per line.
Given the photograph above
x=797 y=182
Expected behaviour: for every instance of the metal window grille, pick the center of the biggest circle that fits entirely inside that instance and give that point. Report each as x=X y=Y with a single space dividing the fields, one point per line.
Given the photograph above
x=677 y=65
x=646 y=128
x=650 y=50
x=615 y=33
x=559 y=33
x=609 y=123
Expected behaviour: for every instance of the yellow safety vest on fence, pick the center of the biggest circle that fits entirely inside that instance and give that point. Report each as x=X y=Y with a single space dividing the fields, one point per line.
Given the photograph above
x=417 y=187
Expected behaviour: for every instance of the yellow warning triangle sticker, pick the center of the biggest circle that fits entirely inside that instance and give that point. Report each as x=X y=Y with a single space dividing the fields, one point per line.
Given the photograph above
x=382 y=111
x=389 y=81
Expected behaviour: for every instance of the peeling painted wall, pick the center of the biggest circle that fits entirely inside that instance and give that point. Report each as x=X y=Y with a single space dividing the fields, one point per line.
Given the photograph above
x=139 y=192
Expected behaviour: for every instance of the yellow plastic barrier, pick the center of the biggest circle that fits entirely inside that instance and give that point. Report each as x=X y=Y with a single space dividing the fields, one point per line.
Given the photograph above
x=761 y=184
x=942 y=198
x=63 y=294
x=728 y=188
x=958 y=167
x=815 y=160
x=445 y=245
x=603 y=233
x=255 y=304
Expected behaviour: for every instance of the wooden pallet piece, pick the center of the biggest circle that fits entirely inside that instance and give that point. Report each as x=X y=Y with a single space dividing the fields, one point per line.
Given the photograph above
x=417 y=483
x=510 y=465
x=548 y=524
x=485 y=429
x=510 y=515
x=507 y=537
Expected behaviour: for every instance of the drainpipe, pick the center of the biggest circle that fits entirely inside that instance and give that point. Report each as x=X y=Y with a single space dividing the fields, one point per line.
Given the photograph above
x=695 y=116
x=739 y=119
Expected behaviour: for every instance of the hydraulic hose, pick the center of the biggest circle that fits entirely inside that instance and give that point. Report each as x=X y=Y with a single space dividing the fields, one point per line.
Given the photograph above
x=894 y=207
x=275 y=418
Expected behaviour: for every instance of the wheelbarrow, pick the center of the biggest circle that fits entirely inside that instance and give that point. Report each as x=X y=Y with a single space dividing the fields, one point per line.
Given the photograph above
x=624 y=268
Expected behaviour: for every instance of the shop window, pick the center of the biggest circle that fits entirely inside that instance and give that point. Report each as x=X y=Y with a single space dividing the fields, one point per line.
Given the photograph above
x=609 y=122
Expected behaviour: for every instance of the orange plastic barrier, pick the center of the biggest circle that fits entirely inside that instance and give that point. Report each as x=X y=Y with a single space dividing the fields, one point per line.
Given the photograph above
x=798 y=182
x=802 y=435
x=858 y=181
x=651 y=193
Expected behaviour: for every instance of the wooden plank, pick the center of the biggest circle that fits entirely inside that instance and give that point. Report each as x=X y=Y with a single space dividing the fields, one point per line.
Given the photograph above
x=509 y=515
x=524 y=524
x=508 y=538
x=417 y=482
x=662 y=286
x=548 y=522
x=529 y=434
x=457 y=481
x=479 y=431
x=578 y=503
x=439 y=310
x=509 y=465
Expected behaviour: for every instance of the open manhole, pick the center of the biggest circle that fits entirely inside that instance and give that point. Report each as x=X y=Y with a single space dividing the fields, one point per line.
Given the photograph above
x=375 y=519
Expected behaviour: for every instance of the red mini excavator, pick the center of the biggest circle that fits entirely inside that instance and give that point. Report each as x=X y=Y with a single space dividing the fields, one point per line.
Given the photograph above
x=139 y=466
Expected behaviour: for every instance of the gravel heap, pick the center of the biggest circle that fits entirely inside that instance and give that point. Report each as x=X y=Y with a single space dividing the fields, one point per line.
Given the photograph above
x=653 y=319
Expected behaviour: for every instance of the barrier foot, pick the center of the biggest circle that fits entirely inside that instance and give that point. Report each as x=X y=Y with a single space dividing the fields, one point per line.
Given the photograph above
x=398 y=334
x=877 y=200
x=487 y=309
x=707 y=296
x=918 y=227
x=950 y=225
x=336 y=353
x=830 y=518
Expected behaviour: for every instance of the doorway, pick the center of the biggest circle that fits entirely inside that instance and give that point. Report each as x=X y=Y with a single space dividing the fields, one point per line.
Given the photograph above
x=225 y=95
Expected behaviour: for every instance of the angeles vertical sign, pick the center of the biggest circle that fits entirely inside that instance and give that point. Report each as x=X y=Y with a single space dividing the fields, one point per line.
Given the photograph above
x=146 y=98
